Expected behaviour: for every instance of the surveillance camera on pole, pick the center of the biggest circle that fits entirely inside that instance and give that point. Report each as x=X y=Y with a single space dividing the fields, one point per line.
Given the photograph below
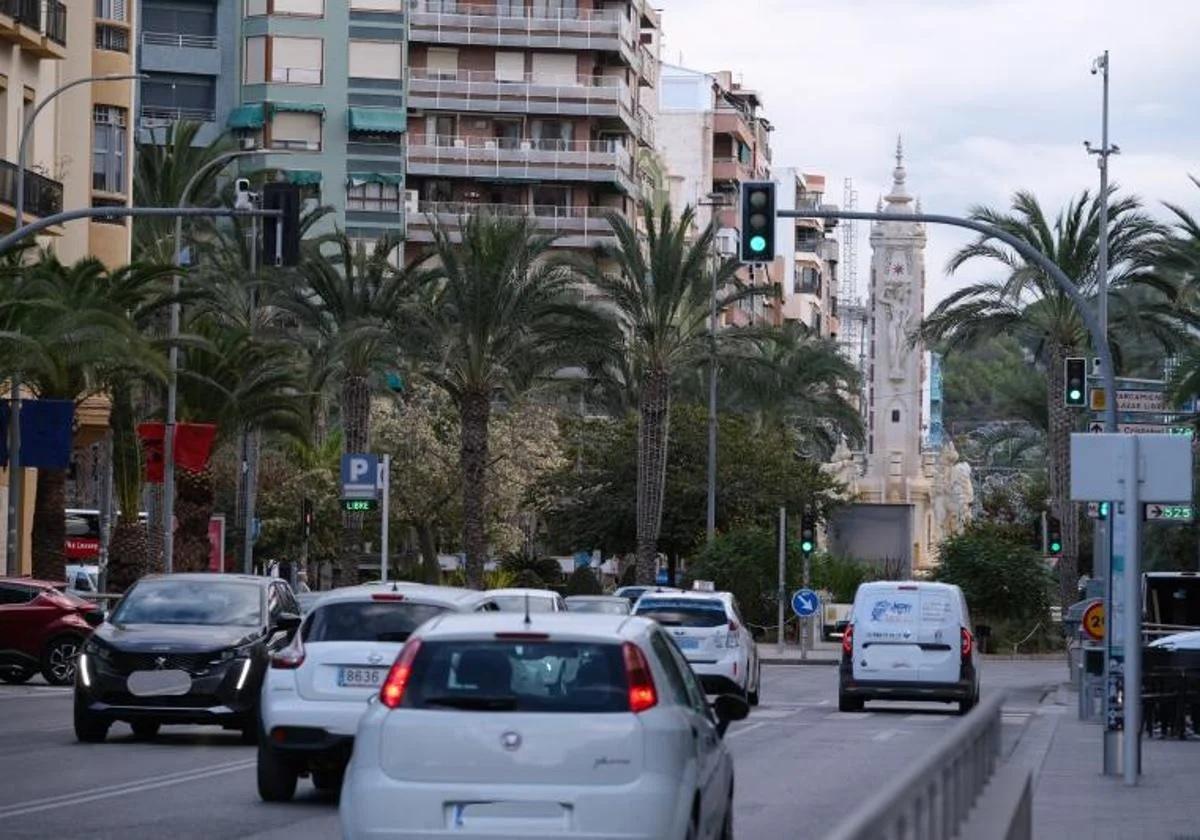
x=244 y=198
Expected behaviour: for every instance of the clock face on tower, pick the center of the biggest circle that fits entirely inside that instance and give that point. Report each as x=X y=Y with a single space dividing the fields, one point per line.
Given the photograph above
x=897 y=265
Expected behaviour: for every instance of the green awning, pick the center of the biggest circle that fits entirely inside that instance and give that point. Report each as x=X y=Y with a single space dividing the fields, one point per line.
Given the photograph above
x=357 y=179
x=299 y=107
x=304 y=177
x=247 y=117
x=377 y=120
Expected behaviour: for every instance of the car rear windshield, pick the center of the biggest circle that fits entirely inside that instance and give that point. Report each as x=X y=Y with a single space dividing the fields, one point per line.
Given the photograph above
x=208 y=602
x=367 y=621
x=678 y=612
x=518 y=676
x=608 y=607
x=516 y=603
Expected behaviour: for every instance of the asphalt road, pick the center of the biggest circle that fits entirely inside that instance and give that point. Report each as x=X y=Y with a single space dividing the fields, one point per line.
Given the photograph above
x=800 y=765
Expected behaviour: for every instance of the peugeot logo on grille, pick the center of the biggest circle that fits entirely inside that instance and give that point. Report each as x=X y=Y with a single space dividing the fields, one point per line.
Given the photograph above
x=160 y=662
x=511 y=741
x=374 y=658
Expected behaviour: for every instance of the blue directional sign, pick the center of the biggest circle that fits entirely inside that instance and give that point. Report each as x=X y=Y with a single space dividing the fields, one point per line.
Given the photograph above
x=360 y=476
x=805 y=602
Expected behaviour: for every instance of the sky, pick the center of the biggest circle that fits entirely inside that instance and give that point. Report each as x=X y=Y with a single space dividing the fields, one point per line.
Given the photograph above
x=990 y=96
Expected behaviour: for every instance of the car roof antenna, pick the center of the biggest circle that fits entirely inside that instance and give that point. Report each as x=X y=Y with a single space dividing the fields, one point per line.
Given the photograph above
x=527 y=621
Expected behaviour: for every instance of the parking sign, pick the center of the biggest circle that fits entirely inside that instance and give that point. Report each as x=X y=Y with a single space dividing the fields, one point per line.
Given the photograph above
x=360 y=472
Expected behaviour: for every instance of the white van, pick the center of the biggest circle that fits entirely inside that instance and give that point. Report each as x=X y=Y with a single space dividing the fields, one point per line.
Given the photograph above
x=908 y=640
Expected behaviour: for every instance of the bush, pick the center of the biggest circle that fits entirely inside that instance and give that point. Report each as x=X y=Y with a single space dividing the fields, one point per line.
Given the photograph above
x=999 y=572
x=583 y=582
x=840 y=576
x=546 y=569
x=528 y=579
x=497 y=579
x=745 y=561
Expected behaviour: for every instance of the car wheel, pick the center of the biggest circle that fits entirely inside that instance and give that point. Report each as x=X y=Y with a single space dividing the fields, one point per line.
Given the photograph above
x=276 y=775
x=146 y=730
x=846 y=703
x=752 y=696
x=17 y=675
x=328 y=780
x=967 y=705
x=90 y=728
x=58 y=662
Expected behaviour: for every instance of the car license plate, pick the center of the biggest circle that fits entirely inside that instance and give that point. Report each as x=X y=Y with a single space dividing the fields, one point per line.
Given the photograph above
x=361 y=677
x=686 y=643
x=166 y=683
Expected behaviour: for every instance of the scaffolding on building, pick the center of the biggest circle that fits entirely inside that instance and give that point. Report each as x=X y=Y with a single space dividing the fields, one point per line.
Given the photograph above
x=853 y=313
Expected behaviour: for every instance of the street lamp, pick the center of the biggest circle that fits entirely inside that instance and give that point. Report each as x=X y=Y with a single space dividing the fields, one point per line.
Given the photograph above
x=15 y=485
x=168 y=513
x=715 y=201
x=1100 y=67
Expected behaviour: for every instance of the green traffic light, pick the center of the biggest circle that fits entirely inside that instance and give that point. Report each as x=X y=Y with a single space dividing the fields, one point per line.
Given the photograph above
x=1055 y=547
x=1075 y=394
x=806 y=546
x=758 y=244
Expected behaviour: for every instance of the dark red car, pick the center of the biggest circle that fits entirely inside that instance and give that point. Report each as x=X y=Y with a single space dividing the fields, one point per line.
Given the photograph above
x=42 y=629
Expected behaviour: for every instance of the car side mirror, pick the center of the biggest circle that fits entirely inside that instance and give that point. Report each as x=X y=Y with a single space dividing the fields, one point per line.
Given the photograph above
x=287 y=622
x=729 y=708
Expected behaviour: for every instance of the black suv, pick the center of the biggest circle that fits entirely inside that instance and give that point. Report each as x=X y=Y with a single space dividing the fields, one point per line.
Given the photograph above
x=183 y=648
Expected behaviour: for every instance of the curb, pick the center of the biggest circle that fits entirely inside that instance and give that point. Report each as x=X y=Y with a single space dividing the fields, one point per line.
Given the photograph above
x=1023 y=657
x=774 y=660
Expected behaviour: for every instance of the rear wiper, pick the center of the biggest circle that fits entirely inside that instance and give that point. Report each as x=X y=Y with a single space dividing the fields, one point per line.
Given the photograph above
x=478 y=702
x=396 y=636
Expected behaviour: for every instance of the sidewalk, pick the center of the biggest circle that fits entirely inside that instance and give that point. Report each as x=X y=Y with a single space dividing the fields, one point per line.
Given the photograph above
x=822 y=653
x=1073 y=800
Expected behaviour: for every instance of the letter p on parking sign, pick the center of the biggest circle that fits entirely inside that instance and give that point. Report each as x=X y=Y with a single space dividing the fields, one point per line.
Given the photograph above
x=359 y=476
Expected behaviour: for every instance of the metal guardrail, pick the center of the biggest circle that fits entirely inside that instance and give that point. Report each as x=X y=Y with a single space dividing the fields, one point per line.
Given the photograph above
x=179 y=39
x=932 y=800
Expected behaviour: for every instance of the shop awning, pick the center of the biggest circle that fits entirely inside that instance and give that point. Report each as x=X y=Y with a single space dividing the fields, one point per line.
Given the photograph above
x=377 y=120
x=299 y=107
x=304 y=177
x=245 y=117
x=357 y=179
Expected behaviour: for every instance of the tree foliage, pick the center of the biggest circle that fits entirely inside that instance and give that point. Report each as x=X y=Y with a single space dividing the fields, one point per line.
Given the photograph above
x=583 y=581
x=999 y=572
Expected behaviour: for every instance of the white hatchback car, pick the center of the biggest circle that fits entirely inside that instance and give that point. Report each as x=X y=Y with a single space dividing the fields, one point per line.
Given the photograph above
x=316 y=689
x=494 y=726
x=515 y=599
x=709 y=629
x=908 y=640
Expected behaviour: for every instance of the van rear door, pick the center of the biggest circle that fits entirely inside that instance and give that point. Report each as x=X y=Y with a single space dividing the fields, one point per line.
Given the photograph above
x=907 y=633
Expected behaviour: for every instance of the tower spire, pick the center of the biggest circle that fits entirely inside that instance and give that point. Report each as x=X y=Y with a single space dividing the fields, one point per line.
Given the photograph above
x=899 y=199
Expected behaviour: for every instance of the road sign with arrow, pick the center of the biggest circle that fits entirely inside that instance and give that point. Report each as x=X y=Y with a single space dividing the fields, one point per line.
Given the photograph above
x=1158 y=512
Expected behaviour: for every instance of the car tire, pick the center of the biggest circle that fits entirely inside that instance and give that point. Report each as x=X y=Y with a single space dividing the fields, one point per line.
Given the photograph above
x=90 y=728
x=250 y=735
x=752 y=696
x=145 y=730
x=328 y=780
x=59 y=658
x=17 y=676
x=967 y=705
x=846 y=703
x=276 y=775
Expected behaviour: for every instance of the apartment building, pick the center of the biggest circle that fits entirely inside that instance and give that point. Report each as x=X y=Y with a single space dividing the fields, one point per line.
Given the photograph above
x=188 y=51
x=713 y=137
x=807 y=256
x=543 y=108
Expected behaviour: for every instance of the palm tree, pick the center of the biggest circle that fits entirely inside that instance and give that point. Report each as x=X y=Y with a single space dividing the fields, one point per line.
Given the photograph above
x=494 y=316
x=1178 y=261
x=70 y=332
x=659 y=297
x=1027 y=304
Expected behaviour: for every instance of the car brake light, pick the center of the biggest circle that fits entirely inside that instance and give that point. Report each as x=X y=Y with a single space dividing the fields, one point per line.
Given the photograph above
x=968 y=642
x=733 y=626
x=290 y=657
x=387 y=596
x=848 y=640
x=642 y=695
x=392 y=693
x=523 y=637
x=731 y=640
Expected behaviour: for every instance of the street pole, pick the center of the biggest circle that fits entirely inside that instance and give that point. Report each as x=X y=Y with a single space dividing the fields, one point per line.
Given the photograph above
x=250 y=469
x=806 y=640
x=106 y=505
x=168 y=512
x=383 y=525
x=1129 y=522
x=16 y=486
x=716 y=201
x=782 y=577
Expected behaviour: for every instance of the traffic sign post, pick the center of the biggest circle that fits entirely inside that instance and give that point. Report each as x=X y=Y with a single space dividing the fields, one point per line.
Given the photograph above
x=805 y=604
x=360 y=476
x=1093 y=620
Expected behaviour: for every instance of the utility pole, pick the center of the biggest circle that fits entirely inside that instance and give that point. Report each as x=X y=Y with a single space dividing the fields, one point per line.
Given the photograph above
x=250 y=435
x=383 y=524
x=715 y=202
x=779 y=613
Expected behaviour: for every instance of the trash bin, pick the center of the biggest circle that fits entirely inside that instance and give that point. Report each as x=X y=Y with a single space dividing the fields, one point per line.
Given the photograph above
x=983 y=637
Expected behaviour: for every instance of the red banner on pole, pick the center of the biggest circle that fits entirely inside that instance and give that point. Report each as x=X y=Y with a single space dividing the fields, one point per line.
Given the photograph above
x=193 y=446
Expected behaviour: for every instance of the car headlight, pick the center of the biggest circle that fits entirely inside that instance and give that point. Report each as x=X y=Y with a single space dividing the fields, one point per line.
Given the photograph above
x=97 y=649
x=242 y=652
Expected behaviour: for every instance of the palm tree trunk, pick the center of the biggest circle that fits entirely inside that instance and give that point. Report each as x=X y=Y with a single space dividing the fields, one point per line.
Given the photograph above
x=1059 y=442
x=50 y=526
x=194 y=499
x=654 y=420
x=129 y=548
x=128 y=553
x=474 y=415
x=427 y=541
x=356 y=426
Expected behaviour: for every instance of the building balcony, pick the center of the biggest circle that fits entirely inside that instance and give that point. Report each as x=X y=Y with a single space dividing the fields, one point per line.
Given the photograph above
x=522 y=160
x=43 y=196
x=731 y=169
x=158 y=116
x=174 y=52
x=481 y=90
x=450 y=22
x=39 y=26
x=575 y=227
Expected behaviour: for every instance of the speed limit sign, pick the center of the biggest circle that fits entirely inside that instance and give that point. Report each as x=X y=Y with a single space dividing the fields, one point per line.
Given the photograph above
x=1093 y=621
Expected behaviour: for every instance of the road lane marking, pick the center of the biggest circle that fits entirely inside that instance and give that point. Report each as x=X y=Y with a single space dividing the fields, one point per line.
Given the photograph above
x=33 y=693
x=733 y=734
x=886 y=735
x=34 y=806
x=848 y=715
x=773 y=714
x=936 y=717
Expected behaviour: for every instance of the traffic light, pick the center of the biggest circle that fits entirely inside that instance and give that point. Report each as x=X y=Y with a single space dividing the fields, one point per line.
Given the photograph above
x=306 y=517
x=1054 y=542
x=1102 y=510
x=286 y=198
x=1075 y=392
x=758 y=222
x=808 y=533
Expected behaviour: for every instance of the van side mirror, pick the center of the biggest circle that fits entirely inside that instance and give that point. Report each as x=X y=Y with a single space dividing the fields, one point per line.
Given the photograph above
x=729 y=708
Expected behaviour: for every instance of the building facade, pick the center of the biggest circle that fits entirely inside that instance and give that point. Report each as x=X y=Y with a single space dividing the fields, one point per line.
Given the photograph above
x=540 y=108
x=713 y=138
x=188 y=50
x=806 y=268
